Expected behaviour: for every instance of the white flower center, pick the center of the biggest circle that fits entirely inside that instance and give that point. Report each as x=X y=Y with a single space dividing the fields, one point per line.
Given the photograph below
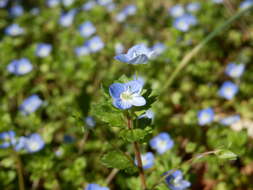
x=205 y=117
x=161 y=144
x=34 y=146
x=229 y=91
x=126 y=96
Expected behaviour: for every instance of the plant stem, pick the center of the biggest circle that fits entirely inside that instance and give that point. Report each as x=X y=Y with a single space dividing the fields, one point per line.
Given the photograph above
x=138 y=157
x=19 y=168
x=186 y=59
x=111 y=176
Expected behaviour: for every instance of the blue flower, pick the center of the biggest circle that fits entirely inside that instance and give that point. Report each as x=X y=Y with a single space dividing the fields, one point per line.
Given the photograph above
x=104 y=2
x=34 y=143
x=82 y=50
x=148 y=114
x=7 y=139
x=230 y=120
x=228 y=90
x=120 y=17
x=3 y=3
x=53 y=3
x=246 y=4
x=217 y=1
x=205 y=116
x=147 y=160
x=126 y=95
x=35 y=11
x=20 y=66
x=20 y=143
x=158 y=48
x=43 y=49
x=94 y=44
x=175 y=181
x=90 y=122
x=93 y=186
x=119 y=48
x=67 y=3
x=129 y=10
x=88 y=5
x=138 y=54
x=193 y=7
x=31 y=104
x=87 y=29
x=14 y=30
x=16 y=10
x=176 y=11
x=110 y=7
x=67 y=19
x=183 y=23
x=161 y=143
x=235 y=70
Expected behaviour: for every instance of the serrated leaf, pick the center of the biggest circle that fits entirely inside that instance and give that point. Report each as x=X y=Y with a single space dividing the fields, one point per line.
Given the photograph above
x=226 y=154
x=134 y=134
x=116 y=159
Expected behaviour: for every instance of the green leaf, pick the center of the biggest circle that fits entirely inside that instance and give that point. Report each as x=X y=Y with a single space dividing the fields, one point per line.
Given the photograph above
x=116 y=159
x=226 y=154
x=135 y=134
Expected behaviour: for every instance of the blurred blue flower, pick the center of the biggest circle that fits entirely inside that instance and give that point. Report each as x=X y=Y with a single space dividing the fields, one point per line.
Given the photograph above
x=230 y=120
x=94 y=44
x=93 y=186
x=34 y=143
x=193 y=7
x=67 y=19
x=235 y=70
x=217 y=1
x=88 y=5
x=82 y=50
x=3 y=3
x=43 y=49
x=158 y=48
x=104 y=2
x=176 y=11
x=183 y=23
x=87 y=29
x=31 y=104
x=148 y=114
x=126 y=95
x=20 y=66
x=7 y=139
x=147 y=160
x=246 y=4
x=129 y=10
x=138 y=54
x=120 y=17
x=14 y=30
x=16 y=10
x=67 y=3
x=161 y=143
x=90 y=122
x=35 y=11
x=140 y=79
x=205 y=116
x=119 y=48
x=228 y=90
x=175 y=181
x=110 y=7
x=20 y=143
x=53 y=3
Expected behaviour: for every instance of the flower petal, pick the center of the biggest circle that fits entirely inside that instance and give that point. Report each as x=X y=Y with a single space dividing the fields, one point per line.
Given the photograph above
x=121 y=104
x=137 y=101
x=116 y=89
x=134 y=86
x=141 y=59
x=122 y=57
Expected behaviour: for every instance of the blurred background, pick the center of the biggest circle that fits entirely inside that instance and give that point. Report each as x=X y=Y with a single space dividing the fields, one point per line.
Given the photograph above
x=55 y=55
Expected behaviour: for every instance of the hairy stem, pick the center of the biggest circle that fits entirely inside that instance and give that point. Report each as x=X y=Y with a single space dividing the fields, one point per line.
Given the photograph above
x=19 y=168
x=187 y=58
x=138 y=157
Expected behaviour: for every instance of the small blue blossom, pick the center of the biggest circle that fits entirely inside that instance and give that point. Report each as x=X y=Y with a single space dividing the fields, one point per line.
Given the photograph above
x=148 y=114
x=3 y=3
x=20 y=143
x=228 y=90
x=90 y=122
x=67 y=19
x=31 y=104
x=53 y=3
x=158 y=48
x=235 y=70
x=246 y=4
x=217 y=1
x=138 y=54
x=183 y=23
x=205 y=116
x=34 y=143
x=82 y=50
x=94 y=44
x=176 y=11
x=193 y=7
x=175 y=181
x=67 y=3
x=110 y=7
x=88 y=5
x=7 y=139
x=43 y=50
x=119 y=48
x=126 y=95
x=14 y=30
x=16 y=10
x=93 y=186
x=35 y=11
x=120 y=17
x=161 y=143
x=104 y=2
x=129 y=10
x=87 y=29
x=147 y=160
x=230 y=120
x=20 y=66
